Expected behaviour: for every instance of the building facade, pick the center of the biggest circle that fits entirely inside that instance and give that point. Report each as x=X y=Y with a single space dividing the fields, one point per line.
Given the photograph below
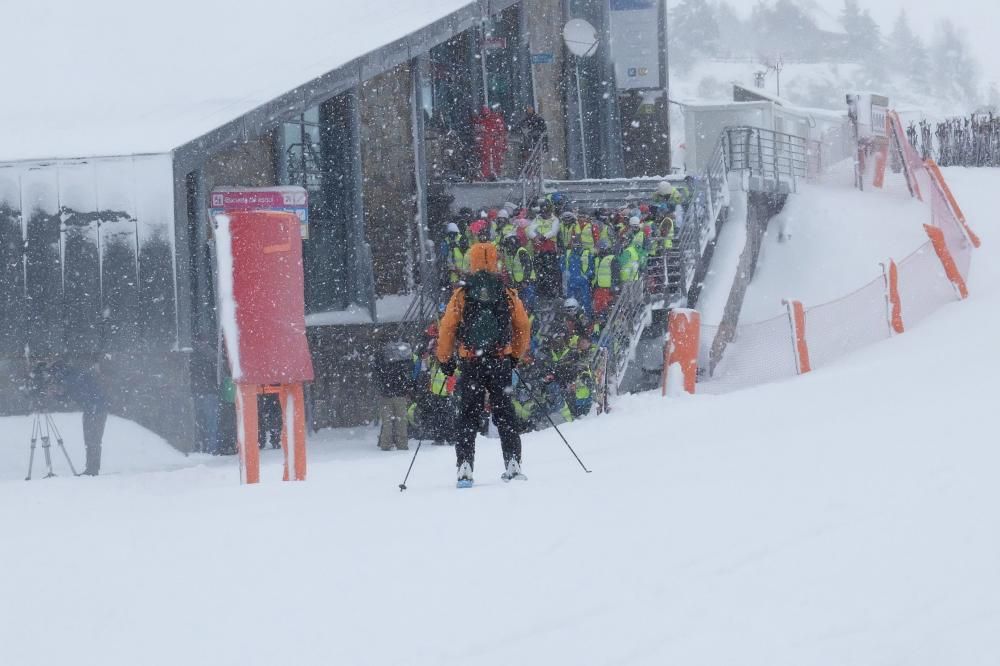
x=113 y=256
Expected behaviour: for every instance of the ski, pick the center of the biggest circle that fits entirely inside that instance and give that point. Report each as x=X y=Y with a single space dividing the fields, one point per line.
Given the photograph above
x=516 y=477
x=464 y=483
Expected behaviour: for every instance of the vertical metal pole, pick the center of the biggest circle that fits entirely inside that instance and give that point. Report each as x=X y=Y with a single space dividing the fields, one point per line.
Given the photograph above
x=426 y=259
x=482 y=62
x=360 y=266
x=612 y=156
x=579 y=113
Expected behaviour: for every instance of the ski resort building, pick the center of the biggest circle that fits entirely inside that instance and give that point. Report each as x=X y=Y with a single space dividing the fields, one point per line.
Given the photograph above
x=108 y=164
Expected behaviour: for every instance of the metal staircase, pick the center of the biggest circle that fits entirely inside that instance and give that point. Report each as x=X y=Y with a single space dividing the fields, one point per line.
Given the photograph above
x=764 y=161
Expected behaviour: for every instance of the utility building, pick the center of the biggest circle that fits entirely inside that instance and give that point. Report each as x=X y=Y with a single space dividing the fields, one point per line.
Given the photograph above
x=127 y=122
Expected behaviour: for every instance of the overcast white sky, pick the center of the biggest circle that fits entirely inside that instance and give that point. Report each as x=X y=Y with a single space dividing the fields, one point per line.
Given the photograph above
x=979 y=19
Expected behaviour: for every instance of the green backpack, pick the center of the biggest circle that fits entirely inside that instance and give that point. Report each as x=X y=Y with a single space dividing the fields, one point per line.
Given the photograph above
x=486 y=318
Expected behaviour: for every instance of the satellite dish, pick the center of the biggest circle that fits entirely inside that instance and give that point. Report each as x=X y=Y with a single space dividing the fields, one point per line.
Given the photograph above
x=580 y=37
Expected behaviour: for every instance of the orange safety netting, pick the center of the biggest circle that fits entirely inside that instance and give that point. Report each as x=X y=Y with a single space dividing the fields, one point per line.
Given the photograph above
x=930 y=277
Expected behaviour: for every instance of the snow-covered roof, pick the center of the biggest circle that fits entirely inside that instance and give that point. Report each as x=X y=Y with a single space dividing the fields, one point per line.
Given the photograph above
x=118 y=77
x=829 y=114
x=760 y=94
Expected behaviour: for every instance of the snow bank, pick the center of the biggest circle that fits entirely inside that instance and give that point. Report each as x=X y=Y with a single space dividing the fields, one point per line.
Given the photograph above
x=227 y=295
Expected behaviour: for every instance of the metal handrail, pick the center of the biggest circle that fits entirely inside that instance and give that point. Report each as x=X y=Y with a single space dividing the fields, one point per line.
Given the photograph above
x=620 y=330
x=529 y=180
x=770 y=155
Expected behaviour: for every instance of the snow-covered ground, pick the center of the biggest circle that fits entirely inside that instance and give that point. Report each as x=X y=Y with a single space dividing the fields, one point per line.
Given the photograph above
x=843 y=517
x=838 y=238
x=725 y=261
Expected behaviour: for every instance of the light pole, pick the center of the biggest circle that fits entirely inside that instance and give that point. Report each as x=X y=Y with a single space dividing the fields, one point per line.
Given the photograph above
x=581 y=40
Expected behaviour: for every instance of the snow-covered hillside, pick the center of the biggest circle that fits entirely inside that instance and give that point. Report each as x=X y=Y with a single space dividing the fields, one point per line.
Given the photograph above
x=841 y=517
x=819 y=85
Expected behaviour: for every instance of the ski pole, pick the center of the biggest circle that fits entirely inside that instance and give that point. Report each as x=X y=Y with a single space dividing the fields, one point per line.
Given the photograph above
x=549 y=417
x=402 y=486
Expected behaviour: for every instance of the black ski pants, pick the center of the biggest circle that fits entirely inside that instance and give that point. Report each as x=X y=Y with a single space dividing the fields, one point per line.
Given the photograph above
x=95 y=416
x=482 y=376
x=549 y=274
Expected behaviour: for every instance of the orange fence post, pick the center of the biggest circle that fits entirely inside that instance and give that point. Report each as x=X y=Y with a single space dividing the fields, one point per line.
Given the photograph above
x=797 y=319
x=950 y=268
x=680 y=367
x=906 y=153
x=881 y=158
x=894 y=304
x=247 y=436
x=938 y=177
x=293 y=431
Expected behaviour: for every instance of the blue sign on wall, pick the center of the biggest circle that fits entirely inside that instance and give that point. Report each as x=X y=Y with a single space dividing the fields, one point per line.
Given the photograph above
x=542 y=58
x=625 y=5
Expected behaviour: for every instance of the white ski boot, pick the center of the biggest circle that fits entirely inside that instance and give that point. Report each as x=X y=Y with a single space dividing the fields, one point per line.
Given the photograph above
x=513 y=471
x=465 y=476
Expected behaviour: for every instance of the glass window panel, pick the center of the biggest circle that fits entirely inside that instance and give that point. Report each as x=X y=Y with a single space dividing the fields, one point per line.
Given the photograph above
x=118 y=238
x=81 y=258
x=43 y=260
x=154 y=207
x=12 y=299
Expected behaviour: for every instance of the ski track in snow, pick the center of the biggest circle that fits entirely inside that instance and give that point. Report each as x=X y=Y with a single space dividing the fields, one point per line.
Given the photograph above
x=843 y=517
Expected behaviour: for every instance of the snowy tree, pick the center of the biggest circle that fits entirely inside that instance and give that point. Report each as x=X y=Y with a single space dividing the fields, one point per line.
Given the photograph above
x=850 y=18
x=785 y=29
x=693 y=32
x=864 y=42
x=955 y=73
x=993 y=97
x=906 y=53
x=734 y=33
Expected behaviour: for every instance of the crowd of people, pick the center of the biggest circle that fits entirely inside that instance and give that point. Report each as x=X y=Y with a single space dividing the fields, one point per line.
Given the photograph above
x=972 y=141
x=566 y=266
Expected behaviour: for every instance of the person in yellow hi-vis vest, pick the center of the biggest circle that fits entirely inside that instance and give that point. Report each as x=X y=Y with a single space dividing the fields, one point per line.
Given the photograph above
x=586 y=230
x=629 y=264
x=519 y=268
x=452 y=256
x=667 y=228
x=505 y=226
x=606 y=276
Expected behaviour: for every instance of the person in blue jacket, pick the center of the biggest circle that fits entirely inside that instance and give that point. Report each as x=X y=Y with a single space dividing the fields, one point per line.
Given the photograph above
x=579 y=268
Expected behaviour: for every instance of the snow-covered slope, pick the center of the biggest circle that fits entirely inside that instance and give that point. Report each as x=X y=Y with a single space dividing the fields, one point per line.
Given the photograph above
x=838 y=236
x=844 y=517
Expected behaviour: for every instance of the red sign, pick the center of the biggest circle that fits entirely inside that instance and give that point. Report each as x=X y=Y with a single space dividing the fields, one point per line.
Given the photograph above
x=495 y=43
x=269 y=297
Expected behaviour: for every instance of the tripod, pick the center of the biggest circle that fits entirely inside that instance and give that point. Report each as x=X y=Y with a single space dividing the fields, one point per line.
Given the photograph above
x=44 y=428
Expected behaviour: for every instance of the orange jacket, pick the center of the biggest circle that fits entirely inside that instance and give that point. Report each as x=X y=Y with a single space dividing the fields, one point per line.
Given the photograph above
x=482 y=256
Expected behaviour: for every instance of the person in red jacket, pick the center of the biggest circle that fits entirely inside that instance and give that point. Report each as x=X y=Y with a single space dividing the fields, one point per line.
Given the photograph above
x=491 y=140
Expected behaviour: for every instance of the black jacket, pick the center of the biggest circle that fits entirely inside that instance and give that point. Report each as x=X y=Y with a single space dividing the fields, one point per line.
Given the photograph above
x=393 y=378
